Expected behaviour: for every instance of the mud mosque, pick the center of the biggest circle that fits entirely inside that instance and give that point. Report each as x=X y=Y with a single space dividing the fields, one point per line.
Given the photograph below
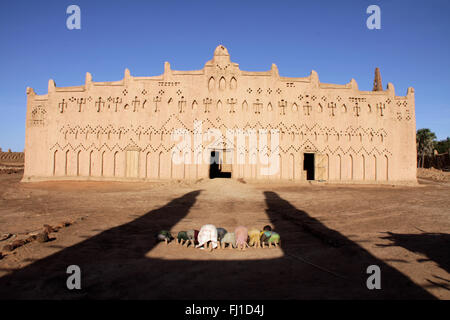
x=122 y=130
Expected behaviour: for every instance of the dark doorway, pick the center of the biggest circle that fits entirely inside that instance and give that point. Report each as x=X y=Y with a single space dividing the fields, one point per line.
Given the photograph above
x=308 y=165
x=215 y=167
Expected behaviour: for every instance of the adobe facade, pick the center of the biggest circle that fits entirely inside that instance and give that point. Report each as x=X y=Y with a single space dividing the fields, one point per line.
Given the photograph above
x=123 y=130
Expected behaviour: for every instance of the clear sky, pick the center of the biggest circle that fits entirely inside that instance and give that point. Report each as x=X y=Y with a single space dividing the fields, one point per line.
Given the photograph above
x=412 y=48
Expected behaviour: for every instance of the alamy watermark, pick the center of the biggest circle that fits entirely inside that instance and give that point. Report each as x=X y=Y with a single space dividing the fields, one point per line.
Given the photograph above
x=374 y=280
x=374 y=20
x=74 y=20
x=74 y=280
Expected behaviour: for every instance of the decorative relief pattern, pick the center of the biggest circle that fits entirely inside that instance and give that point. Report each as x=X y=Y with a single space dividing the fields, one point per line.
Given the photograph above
x=207 y=102
x=306 y=146
x=307 y=108
x=380 y=108
x=168 y=84
x=38 y=116
x=282 y=105
x=357 y=108
x=62 y=106
x=173 y=122
x=232 y=102
x=257 y=106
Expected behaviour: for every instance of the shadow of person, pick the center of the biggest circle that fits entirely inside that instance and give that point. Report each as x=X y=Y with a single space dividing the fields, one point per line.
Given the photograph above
x=114 y=265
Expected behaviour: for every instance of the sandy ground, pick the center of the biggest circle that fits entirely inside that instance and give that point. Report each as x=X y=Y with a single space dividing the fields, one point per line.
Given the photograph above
x=330 y=235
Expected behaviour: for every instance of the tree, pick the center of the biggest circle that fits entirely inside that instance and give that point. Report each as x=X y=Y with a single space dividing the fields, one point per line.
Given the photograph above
x=425 y=140
x=442 y=146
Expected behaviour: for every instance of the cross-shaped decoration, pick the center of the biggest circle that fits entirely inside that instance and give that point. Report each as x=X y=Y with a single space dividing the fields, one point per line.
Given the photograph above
x=181 y=104
x=332 y=106
x=282 y=104
x=307 y=108
x=135 y=103
x=257 y=105
x=80 y=102
x=62 y=105
x=232 y=102
x=381 y=107
x=207 y=102
x=156 y=100
x=110 y=99
x=99 y=104
x=357 y=108
x=116 y=101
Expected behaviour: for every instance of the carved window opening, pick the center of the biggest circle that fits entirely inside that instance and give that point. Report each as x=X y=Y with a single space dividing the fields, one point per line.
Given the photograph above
x=211 y=84
x=233 y=83
x=222 y=84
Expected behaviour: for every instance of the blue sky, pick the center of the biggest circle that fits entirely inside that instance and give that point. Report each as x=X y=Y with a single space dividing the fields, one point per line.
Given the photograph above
x=411 y=49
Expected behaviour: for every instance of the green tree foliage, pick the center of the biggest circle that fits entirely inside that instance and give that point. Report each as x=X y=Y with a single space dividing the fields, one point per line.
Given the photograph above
x=425 y=140
x=442 y=146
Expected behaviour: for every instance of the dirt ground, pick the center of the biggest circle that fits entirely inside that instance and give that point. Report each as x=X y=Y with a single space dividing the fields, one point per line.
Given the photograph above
x=10 y=168
x=330 y=235
x=433 y=174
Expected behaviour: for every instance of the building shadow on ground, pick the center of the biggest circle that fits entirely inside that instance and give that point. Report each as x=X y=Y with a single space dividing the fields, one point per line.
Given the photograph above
x=316 y=263
x=436 y=246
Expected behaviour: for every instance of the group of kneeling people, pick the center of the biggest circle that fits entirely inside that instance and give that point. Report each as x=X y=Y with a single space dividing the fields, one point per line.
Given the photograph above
x=209 y=235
